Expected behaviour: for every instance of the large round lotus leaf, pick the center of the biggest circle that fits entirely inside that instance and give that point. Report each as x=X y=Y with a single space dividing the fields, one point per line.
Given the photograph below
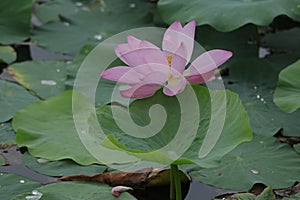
x=12 y=98
x=255 y=80
x=7 y=134
x=92 y=26
x=287 y=93
x=230 y=14
x=75 y=191
x=7 y=54
x=15 y=19
x=12 y=184
x=61 y=167
x=236 y=128
x=262 y=160
x=48 y=131
x=44 y=78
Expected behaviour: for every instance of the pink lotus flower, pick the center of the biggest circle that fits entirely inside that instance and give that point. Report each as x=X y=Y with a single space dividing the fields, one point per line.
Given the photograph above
x=149 y=67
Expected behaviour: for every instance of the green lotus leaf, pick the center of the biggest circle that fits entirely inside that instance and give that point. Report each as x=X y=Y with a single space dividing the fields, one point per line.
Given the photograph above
x=235 y=129
x=44 y=78
x=15 y=19
x=7 y=134
x=12 y=184
x=287 y=93
x=7 y=54
x=61 y=167
x=230 y=14
x=13 y=98
x=47 y=129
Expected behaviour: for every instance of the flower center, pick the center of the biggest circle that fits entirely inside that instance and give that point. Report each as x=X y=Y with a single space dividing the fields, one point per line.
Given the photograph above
x=169 y=58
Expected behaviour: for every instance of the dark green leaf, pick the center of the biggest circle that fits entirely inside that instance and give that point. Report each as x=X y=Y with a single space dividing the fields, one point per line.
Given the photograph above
x=229 y=15
x=255 y=81
x=12 y=184
x=263 y=160
x=15 y=19
x=7 y=54
x=92 y=26
x=7 y=134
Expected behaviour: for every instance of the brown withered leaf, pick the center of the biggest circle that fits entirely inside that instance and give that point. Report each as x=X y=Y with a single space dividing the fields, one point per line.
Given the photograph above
x=140 y=179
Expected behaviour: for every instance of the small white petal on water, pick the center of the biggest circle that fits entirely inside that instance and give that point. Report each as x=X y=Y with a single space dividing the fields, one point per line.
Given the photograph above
x=116 y=191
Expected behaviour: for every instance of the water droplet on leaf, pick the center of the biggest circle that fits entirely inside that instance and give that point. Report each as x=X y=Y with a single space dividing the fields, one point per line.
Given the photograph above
x=258 y=96
x=132 y=5
x=48 y=82
x=22 y=181
x=57 y=70
x=43 y=161
x=253 y=171
x=79 y=4
x=66 y=23
x=98 y=37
